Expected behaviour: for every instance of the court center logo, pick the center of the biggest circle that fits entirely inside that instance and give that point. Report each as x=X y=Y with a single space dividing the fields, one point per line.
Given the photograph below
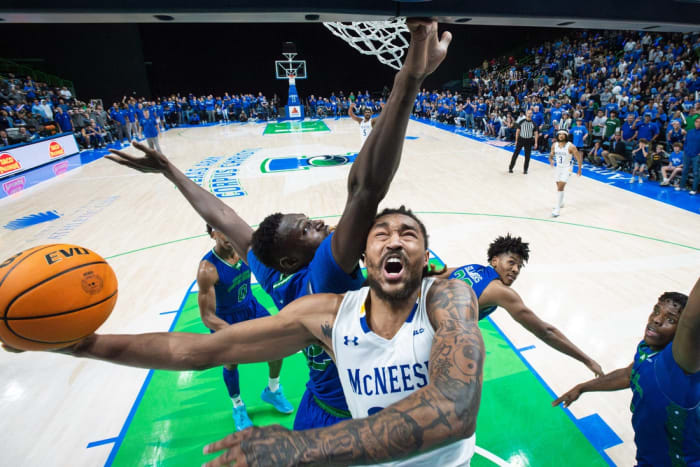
x=294 y=163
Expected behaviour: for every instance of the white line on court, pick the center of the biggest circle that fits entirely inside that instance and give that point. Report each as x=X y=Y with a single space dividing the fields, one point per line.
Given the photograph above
x=492 y=457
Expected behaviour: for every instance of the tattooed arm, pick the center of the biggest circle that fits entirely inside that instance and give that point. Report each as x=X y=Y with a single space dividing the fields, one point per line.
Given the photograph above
x=305 y=321
x=444 y=411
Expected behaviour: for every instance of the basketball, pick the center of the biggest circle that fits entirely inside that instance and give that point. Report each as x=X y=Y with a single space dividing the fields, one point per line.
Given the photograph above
x=51 y=296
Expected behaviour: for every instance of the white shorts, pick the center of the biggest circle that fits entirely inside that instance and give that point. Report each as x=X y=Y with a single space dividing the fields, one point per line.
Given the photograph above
x=562 y=174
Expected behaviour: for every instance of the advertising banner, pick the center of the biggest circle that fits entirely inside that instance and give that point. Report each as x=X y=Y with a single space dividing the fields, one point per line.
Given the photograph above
x=14 y=160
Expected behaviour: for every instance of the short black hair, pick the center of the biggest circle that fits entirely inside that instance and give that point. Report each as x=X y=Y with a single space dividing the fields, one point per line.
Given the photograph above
x=678 y=298
x=406 y=212
x=430 y=269
x=265 y=238
x=509 y=244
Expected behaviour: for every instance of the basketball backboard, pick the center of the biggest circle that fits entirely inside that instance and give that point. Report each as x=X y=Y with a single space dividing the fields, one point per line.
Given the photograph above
x=286 y=68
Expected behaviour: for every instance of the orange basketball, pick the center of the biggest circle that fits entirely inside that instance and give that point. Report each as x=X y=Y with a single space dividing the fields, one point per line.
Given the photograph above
x=51 y=296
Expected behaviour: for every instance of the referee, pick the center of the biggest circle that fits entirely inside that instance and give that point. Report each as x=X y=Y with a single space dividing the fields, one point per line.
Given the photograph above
x=525 y=137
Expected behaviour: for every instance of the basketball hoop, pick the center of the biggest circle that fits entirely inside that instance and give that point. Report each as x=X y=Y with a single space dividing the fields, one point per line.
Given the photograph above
x=383 y=39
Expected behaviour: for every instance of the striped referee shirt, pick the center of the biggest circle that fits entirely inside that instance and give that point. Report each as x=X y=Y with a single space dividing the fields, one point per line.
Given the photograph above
x=527 y=129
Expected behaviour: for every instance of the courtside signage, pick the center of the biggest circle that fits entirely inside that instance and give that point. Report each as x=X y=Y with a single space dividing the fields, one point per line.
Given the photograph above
x=8 y=164
x=14 y=186
x=19 y=159
x=56 y=150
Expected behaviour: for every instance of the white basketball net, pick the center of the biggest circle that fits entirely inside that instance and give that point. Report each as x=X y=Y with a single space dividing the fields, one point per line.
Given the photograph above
x=383 y=39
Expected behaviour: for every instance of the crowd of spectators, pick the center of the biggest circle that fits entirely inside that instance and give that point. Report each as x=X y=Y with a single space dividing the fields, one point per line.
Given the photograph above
x=623 y=97
x=613 y=92
x=30 y=110
x=337 y=106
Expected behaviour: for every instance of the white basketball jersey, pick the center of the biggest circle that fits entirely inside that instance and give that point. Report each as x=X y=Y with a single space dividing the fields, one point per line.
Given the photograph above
x=562 y=156
x=376 y=372
x=365 y=129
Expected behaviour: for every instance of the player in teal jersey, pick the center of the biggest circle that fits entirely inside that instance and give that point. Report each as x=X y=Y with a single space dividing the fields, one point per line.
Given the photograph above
x=292 y=255
x=492 y=286
x=225 y=298
x=665 y=382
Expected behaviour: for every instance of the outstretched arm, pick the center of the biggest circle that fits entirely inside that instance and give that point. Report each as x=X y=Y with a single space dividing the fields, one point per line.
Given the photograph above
x=686 y=343
x=509 y=299
x=300 y=324
x=613 y=381
x=214 y=211
x=375 y=166
x=443 y=411
x=376 y=119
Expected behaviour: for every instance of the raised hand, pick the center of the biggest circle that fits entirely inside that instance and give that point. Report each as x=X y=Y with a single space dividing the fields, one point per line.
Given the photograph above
x=426 y=51
x=593 y=365
x=152 y=162
x=568 y=398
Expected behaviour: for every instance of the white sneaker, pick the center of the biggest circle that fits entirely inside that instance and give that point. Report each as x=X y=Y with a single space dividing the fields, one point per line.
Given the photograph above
x=632 y=179
x=677 y=188
x=555 y=212
x=693 y=192
x=665 y=182
x=641 y=180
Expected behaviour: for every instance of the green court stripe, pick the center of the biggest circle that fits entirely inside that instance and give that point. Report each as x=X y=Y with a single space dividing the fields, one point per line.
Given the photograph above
x=507 y=216
x=457 y=213
x=155 y=246
x=595 y=227
x=171 y=431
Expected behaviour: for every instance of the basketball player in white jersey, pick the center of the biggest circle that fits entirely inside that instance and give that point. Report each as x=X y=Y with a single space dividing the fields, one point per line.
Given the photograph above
x=563 y=152
x=366 y=123
x=408 y=350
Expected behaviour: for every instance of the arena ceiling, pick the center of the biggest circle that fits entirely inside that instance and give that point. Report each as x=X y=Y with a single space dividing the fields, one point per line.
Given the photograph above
x=653 y=15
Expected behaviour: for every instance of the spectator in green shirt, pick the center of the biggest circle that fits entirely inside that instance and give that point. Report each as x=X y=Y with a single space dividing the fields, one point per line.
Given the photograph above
x=690 y=120
x=612 y=124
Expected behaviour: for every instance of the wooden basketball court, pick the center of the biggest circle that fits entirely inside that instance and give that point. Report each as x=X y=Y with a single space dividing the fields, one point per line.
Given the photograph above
x=595 y=272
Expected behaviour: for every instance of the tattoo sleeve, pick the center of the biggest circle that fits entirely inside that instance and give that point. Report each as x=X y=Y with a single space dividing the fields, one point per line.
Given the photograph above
x=444 y=411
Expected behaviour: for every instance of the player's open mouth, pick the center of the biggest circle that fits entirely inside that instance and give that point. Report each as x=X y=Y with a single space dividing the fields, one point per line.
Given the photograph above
x=393 y=267
x=651 y=331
